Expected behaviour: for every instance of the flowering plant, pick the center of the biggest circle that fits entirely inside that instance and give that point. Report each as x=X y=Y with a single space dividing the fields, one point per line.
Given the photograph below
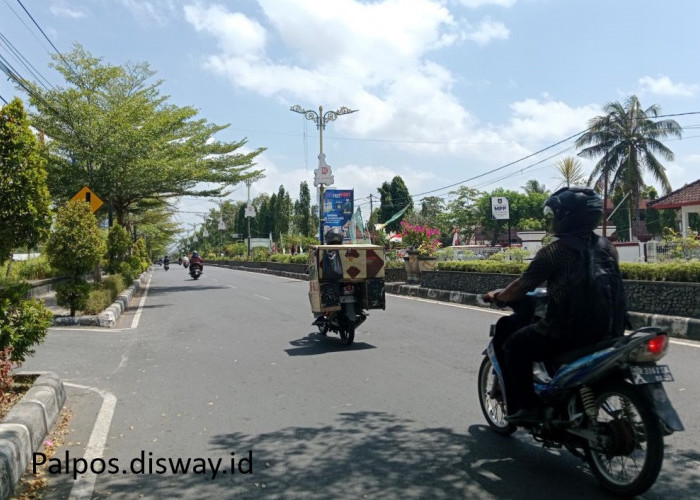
x=421 y=239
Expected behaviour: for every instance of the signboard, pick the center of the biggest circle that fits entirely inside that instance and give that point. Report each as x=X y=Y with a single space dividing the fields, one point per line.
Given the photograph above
x=86 y=194
x=250 y=210
x=323 y=174
x=338 y=210
x=499 y=208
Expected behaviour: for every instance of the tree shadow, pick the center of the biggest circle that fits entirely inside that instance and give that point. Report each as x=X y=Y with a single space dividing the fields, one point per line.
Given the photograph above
x=315 y=343
x=160 y=290
x=379 y=455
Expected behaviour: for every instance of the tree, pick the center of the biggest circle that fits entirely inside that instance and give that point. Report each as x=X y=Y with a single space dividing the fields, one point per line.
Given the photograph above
x=75 y=247
x=534 y=186
x=111 y=129
x=571 y=172
x=626 y=139
x=302 y=211
x=24 y=196
x=118 y=245
x=393 y=197
x=463 y=213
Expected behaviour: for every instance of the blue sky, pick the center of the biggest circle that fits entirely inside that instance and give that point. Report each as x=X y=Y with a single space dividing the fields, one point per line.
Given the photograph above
x=447 y=90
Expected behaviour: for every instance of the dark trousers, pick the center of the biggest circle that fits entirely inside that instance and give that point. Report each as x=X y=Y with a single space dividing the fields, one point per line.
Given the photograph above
x=517 y=345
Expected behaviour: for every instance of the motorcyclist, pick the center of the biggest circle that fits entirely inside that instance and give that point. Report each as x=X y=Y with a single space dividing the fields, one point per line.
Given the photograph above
x=196 y=260
x=575 y=212
x=166 y=260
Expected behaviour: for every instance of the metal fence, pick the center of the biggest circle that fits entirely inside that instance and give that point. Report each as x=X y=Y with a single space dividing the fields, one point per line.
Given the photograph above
x=661 y=251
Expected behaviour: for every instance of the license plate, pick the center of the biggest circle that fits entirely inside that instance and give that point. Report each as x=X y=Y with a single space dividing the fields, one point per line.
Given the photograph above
x=650 y=374
x=345 y=299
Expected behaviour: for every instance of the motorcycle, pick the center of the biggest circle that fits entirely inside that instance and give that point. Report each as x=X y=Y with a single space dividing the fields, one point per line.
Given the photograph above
x=196 y=270
x=605 y=404
x=350 y=316
x=186 y=264
x=166 y=266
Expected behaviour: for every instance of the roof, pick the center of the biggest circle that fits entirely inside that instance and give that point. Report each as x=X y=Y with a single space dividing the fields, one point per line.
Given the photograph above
x=688 y=195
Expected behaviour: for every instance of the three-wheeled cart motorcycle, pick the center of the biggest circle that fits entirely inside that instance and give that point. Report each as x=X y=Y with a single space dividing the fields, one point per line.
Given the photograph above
x=345 y=281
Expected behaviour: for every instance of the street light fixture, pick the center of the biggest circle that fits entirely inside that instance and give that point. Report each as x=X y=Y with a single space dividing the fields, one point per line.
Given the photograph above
x=323 y=173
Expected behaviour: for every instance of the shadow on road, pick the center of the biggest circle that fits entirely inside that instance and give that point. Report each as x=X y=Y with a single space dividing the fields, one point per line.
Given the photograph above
x=159 y=290
x=315 y=343
x=380 y=455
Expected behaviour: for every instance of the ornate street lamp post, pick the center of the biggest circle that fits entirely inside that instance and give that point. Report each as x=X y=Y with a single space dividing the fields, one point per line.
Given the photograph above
x=323 y=175
x=250 y=209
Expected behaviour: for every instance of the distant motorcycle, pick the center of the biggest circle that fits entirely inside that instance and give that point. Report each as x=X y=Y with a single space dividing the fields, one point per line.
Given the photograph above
x=196 y=270
x=166 y=266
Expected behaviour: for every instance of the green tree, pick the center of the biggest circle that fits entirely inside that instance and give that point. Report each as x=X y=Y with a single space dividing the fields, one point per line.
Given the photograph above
x=112 y=130
x=463 y=213
x=627 y=139
x=118 y=245
x=24 y=196
x=393 y=197
x=533 y=186
x=75 y=247
x=302 y=211
x=570 y=171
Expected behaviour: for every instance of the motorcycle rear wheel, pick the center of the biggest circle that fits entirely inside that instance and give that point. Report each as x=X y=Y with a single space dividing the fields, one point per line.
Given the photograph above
x=629 y=463
x=491 y=400
x=347 y=332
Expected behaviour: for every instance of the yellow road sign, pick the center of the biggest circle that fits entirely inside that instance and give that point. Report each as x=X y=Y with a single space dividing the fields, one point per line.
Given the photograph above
x=86 y=194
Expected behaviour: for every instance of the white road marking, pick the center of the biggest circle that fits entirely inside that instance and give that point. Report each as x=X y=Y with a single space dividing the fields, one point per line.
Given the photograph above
x=262 y=296
x=231 y=286
x=452 y=304
x=85 y=484
x=137 y=316
x=687 y=343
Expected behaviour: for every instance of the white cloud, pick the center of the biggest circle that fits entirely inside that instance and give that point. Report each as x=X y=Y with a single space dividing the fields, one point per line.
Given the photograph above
x=539 y=121
x=473 y=4
x=237 y=35
x=146 y=11
x=486 y=31
x=60 y=9
x=662 y=85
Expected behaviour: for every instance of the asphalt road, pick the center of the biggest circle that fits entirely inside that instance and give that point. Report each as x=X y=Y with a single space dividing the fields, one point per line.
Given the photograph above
x=228 y=368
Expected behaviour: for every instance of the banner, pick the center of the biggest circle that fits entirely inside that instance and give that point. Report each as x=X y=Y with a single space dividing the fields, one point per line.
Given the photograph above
x=499 y=208
x=338 y=210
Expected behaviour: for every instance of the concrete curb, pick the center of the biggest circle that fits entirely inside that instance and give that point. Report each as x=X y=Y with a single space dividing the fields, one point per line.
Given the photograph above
x=24 y=428
x=109 y=316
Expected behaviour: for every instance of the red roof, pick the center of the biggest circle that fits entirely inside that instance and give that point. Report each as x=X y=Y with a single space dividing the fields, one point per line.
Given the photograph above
x=688 y=195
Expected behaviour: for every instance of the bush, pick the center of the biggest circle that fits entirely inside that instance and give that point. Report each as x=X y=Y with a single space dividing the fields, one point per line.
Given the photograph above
x=394 y=264
x=300 y=258
x=73 y=294
x=662 y=271
x=482 y=266
x=98 y=300
x=127 y=272
x=114 y=284
x=23 y=323
x=259 y=254
x=285 y=258
x=512 y=254
x=32 y=269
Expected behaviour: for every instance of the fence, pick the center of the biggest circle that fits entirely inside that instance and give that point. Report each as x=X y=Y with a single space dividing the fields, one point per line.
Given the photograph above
x=660 y=251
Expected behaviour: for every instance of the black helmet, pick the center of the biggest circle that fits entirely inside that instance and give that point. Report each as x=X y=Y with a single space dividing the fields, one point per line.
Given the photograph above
x=334 y=236
x=575 y=210
x=195 y=254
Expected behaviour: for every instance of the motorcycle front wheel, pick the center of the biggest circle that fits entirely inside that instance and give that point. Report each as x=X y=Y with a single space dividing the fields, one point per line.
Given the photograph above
x=628 y=458
x=491 y=400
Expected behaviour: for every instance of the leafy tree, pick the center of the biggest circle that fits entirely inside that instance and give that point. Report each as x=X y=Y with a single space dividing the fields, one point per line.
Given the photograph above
x=533 y=186
x=393 y=197
x=626 y=139
x=23 y=323
x=24 y=196
x=302 y=211
x=570 y=171
x=118 y=245
x=463 y=213
x=111 y=129
x=75 y=247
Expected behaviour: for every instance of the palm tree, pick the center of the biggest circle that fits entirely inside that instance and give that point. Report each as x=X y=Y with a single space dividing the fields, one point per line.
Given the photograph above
x=626 y=138
x=571 y=172
x=534 y=187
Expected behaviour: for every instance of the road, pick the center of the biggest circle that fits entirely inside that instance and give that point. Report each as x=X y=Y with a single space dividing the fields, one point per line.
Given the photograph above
x=228 y=368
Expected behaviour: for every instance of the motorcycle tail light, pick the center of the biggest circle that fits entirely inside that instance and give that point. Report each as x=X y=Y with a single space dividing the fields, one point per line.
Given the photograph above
x=651 y=350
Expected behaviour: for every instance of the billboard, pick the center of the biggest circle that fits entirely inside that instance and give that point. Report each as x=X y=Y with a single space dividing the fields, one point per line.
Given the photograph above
x=338 y=210
x=499 y=208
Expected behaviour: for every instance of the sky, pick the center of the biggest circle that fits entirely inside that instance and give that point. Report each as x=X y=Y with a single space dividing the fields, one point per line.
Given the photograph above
x=447 y=92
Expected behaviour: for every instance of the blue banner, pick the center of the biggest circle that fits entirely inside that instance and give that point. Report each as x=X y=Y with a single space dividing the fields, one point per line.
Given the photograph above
x=338 y=210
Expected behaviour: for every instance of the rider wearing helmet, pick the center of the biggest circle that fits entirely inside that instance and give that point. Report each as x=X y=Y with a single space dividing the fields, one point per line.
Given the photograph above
x=574 y=213
x=196 y=260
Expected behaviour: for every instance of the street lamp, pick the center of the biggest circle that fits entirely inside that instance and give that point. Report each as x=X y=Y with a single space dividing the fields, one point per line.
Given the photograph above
x=323 y=173
x=250 y=209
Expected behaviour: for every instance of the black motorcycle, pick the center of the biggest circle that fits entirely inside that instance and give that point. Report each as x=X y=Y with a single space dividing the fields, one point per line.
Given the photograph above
x=349 y=317
x=196 y=270
x=606 y=404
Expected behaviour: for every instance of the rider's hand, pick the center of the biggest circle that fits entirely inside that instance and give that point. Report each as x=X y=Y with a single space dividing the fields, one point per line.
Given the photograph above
x=490 y=297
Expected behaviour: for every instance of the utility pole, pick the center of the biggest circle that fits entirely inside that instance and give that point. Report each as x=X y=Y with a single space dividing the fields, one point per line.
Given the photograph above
x=250 y=209
x=323 y=175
